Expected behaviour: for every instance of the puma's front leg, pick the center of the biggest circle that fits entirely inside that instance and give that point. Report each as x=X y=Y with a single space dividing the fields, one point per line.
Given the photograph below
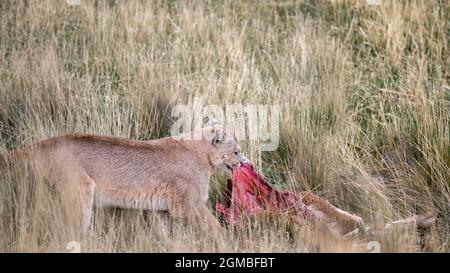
x=191 y=206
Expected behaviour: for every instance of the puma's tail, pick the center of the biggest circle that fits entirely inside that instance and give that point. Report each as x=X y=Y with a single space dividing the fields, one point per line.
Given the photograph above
x=8 y=158
x=2 y=161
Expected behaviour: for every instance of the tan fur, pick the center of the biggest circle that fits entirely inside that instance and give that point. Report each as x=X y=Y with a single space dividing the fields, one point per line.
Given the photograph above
x=167 y=174
x=346 y=220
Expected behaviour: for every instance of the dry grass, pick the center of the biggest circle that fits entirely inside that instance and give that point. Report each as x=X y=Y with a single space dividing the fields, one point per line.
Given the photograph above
x=364 y=94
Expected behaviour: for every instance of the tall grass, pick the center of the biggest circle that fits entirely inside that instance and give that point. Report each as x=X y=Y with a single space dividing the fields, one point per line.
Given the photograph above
x=363 y=90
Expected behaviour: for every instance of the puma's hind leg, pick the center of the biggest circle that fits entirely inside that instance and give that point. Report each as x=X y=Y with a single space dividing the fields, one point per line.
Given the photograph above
x=87 y=189
x=77 y=196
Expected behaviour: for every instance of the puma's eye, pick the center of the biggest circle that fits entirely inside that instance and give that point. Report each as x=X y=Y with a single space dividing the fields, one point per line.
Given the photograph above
x=236 y=153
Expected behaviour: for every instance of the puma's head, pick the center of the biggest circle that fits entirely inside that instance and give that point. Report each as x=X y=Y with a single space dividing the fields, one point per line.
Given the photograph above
x=225 y=152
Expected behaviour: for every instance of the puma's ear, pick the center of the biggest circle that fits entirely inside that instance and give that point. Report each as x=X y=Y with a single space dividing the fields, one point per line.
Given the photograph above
x=218 y=135
x=213 y=121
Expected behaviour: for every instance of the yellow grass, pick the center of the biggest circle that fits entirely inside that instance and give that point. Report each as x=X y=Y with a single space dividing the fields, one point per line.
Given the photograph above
x=363 y=91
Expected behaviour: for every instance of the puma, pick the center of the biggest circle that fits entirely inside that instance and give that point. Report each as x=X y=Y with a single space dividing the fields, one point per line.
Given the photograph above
x=168 y=174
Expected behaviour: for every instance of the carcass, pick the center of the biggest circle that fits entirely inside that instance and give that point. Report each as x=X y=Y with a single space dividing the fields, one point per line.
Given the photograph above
x=248 y=193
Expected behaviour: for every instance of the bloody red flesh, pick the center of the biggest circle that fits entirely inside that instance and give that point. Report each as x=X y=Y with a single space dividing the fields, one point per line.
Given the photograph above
x=249 y=194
